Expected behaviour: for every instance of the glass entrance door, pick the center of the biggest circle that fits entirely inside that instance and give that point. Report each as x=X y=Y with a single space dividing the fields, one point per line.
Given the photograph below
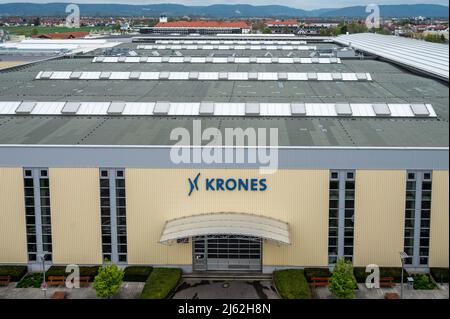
x=227 y=253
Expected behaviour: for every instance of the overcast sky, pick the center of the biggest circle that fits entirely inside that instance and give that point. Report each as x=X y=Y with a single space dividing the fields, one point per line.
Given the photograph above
x=302 y=4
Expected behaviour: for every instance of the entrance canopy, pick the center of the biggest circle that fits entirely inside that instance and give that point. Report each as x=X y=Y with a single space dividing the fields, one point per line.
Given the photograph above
x=226 y=223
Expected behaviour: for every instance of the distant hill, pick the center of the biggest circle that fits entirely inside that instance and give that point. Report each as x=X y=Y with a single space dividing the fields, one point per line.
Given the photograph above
x=215 y=11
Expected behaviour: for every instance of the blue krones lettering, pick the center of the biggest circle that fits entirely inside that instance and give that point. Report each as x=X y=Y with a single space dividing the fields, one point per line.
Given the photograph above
x=233 y=184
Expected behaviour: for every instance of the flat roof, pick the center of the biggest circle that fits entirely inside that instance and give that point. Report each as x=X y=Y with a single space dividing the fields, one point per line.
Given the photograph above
x=390 y=84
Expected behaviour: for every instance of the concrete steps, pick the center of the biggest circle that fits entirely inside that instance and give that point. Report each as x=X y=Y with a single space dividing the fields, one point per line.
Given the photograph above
x=227 y=276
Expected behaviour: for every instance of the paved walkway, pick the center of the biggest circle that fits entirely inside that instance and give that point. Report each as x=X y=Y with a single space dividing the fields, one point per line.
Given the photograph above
x=363 y=293
x=129 y=290
x=195 y=289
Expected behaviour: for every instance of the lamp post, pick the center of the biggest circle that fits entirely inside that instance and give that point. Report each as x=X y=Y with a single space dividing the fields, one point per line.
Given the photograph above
x=44 y=283
x=403 y=257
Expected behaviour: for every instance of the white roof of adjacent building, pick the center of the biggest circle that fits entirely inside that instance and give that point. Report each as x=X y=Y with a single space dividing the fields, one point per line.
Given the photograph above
x=432 y=58
x=226 y=223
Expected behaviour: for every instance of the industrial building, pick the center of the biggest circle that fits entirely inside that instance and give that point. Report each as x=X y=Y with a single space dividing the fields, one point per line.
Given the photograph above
x=362 y=157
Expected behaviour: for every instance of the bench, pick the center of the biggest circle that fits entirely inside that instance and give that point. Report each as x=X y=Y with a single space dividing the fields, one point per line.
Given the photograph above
x=5 y=280
x=391 y=295
x=56 y=280
x=59 y=295
x=387 y=282
x=84 y=281
x=320 y=281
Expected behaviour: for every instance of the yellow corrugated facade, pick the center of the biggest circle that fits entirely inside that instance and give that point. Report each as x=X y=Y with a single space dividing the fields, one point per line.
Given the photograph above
x=75 y=209
x=379 y=217
x=298 y=197
x=13 y=241
x=439 y=241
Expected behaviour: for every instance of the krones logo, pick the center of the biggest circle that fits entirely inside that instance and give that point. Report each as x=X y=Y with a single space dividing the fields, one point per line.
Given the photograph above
x=217 y=184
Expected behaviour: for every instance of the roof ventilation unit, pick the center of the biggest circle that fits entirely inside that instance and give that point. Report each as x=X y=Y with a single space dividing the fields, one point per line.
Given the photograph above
x=252 y=108
x=282 y=76
x=105 y=75
x=46 y=75
x=420 y=110
x=230 y=59
x=25 y=107
x=135 y=75
x=333 y=60
x=298 y=109
x=336 y=76
x=253 y=59
x=223 y=75
x=193 y=75
x=315 y=60
x=143 y=59
x=116 y=108
x=165 y=59
x=75 y=75
x=187 y=59
x=361 y=76
x=164 y=75
x=99 y=59
x=312 y=76
x=161 y=108
x=70 y=108
x=343 y=109
x=209 y=59
x=381 y=109
x=206 y=108
x=275 y=60
x=253 y=76
x=122 y=59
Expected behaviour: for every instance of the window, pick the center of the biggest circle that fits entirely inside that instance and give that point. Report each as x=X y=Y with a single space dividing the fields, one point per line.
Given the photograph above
x=341 y=215
x=38 y=213
x=417 y=217
x=113 y=215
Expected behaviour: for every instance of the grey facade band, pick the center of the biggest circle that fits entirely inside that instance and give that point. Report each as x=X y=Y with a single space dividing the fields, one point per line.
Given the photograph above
x=159 y=157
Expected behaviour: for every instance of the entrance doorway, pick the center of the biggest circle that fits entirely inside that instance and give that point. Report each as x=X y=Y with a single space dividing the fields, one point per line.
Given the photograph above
x=227 y=253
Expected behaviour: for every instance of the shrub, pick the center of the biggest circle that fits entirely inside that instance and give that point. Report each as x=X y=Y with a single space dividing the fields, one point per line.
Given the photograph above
x=85 y=271
x=15 y=272
x=343 y=282
x=439 y=274
x=108 y=281
x=137 y=273
x=316 y=272
x=31 y=280
x=291 y=284
x=160 y=283
x=423 y=282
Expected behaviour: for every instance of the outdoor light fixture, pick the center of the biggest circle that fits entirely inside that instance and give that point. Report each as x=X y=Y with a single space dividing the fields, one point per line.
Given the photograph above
x=44 y=283
x=403 y=257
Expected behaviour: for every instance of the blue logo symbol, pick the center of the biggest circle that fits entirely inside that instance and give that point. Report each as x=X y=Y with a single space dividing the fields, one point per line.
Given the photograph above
x=193 y=184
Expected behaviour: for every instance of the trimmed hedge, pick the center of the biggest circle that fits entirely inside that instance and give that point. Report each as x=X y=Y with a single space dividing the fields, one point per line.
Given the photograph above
x=316 y=272
x=160 y=283
x=137 y=273
x=440 y=274
x=291 y=284
x=85 y=271
x=15 y=272
x=31 y=280
x=394 y=272
x=423 y=282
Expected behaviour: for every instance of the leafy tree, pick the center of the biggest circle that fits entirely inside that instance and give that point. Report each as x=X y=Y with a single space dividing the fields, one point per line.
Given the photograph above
x=342 y=282
x=107 y=282
x=267 y=31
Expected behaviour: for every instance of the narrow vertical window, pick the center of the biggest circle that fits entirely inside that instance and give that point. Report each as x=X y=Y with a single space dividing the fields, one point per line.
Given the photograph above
x=38 y=213
x=341 y=215
x=113 y=215
x=417 y=217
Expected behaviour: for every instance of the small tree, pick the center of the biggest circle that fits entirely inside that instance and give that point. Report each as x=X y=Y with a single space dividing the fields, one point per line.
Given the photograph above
x=343 y=283
x=107 y=282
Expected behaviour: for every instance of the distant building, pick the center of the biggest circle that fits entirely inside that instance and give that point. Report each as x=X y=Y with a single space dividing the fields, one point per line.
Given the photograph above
x=197 y=27
x=279 y=26
x=64 y=35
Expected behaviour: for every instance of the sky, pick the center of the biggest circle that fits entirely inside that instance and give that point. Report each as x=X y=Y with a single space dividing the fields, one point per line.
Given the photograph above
x=302 y=4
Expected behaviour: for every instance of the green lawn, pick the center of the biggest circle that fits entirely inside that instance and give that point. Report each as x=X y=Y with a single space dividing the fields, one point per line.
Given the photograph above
x=160 y=283
x=291 y=284
x=28 y=30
